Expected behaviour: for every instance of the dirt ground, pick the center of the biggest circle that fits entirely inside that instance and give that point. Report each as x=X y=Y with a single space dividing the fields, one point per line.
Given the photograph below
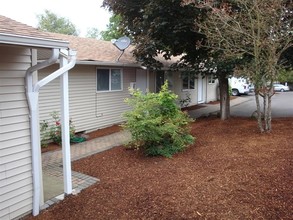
x=231 y=172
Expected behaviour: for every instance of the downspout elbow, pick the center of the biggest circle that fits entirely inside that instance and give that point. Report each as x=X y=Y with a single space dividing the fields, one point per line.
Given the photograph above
x=57 y=73
x=53 y=59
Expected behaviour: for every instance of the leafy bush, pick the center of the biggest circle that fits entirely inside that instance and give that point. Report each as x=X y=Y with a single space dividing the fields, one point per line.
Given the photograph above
x=45 y=136
x=157 y=125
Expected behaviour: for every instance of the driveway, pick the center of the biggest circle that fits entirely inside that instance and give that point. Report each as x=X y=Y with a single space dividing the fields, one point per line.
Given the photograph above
x=282 y=105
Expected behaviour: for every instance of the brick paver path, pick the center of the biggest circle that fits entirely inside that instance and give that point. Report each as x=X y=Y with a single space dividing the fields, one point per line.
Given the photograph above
x=52 y=161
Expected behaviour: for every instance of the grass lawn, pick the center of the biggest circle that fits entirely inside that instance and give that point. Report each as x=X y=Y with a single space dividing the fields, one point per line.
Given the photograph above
x=231 y=172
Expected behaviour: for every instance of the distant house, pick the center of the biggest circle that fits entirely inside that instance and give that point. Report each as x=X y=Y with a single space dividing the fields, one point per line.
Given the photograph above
x=20 y=157
x=99 y=84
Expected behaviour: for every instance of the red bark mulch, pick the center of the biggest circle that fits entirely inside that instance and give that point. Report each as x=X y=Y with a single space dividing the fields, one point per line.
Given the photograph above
x=231 y=172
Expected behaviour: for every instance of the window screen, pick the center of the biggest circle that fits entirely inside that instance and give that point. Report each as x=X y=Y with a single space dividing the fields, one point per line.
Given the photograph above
x=115 y=79
x=109 y=80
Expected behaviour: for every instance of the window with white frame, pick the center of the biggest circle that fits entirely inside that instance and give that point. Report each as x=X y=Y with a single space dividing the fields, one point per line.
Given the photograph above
x=211 y=79
x=188 y=81
x=109 y=80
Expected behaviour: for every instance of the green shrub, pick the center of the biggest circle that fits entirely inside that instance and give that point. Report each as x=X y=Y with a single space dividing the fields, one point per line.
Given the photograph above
x=45 y=136
x=157 y=125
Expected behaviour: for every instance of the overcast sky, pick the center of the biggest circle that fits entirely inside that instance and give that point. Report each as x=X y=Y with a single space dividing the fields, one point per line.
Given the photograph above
x=83 y=14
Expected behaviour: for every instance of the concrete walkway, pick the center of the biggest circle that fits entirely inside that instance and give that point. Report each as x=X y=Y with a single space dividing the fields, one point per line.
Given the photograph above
x=52 y=161
x=210 y=109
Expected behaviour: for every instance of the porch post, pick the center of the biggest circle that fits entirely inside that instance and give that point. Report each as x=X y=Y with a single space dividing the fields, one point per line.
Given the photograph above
x=67 y=179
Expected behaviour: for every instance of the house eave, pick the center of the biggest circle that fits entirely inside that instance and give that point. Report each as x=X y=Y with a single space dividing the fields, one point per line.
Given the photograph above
x=101 y=63
x=20 y=40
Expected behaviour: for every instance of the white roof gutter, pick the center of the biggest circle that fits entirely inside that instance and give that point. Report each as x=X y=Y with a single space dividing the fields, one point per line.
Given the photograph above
x=107 y=63
x=31 y=41
x=115 y=64
x=32 y=92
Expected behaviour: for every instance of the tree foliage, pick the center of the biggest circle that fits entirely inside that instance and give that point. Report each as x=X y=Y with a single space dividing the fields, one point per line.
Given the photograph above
x=286 y=76
x=114 y=30
x=157 y=125
x=159 y=27
x=93 y=33
x=260 y=30
x=52 y=23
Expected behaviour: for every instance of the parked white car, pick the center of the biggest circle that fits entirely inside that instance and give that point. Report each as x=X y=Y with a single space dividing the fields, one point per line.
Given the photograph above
x=280 y=87
x=239 y=86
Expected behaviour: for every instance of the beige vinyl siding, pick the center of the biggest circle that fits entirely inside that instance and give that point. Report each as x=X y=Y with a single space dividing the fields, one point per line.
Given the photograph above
x=89 y=110
x=15 y=149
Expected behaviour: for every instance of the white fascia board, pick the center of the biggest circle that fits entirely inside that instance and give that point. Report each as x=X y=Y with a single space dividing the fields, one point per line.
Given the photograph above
x=114 y=64
x=117 y=64
x=31 y=41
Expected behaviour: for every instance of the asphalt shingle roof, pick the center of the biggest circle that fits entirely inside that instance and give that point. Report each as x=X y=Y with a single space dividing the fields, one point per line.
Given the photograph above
x=10 y=26
x=89 y=49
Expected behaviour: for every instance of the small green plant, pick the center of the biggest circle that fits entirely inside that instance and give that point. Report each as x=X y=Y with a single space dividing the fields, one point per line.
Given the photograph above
x=53 y=132
x=55 y=129
x=44 y=125
x=186 y=101
x=157 y=125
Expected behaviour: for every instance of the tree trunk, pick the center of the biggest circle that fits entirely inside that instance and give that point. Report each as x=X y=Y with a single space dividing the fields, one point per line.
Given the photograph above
x=264 y=119
x=268 y=111
x=224 y=97
x=265 y=109
x=269 y=116
x=259 y=113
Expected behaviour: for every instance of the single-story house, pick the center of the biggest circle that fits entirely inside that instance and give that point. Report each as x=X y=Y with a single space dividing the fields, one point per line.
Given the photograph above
x=38 y=71
x=99 y=84
x=20 y=155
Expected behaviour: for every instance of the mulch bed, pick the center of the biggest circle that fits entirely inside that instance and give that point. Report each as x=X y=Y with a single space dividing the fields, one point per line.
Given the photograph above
x=231 y=172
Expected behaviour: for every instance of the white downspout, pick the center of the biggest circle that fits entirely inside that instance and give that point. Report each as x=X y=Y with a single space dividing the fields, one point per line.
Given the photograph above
x=32 y=92
x=32 y=98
